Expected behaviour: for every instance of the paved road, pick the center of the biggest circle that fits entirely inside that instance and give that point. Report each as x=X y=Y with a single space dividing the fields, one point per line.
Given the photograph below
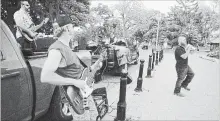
x=157 y=101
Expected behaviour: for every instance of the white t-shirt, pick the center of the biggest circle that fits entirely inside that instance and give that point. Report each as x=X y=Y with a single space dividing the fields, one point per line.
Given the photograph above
x=23 y=19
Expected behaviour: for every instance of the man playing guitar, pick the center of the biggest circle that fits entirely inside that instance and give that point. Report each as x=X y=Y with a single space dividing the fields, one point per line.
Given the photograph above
x=63 y=66
x=26 y=29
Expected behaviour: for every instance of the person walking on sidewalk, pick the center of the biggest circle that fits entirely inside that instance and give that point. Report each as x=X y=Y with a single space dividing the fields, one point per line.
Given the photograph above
x=184 y=72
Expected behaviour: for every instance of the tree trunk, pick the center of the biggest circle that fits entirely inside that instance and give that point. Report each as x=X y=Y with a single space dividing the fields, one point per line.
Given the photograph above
x=123 y=19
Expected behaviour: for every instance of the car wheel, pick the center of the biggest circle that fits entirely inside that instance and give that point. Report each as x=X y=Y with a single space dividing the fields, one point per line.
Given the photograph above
x=59 y=110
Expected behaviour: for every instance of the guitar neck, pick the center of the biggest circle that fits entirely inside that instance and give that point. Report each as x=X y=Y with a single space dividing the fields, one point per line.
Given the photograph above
x=94 y=68
x=91 y=75
x=96 y=65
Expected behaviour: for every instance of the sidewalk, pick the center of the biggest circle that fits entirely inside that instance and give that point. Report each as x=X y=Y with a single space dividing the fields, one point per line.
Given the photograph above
x=157 y=101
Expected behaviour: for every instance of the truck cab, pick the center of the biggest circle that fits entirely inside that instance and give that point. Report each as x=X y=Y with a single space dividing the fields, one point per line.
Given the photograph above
x=23 y=96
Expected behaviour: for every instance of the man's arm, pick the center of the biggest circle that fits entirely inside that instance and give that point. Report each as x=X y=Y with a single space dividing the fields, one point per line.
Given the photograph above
x=185 y=55
x=29 y=32
x=48 y=74
x=35 y=28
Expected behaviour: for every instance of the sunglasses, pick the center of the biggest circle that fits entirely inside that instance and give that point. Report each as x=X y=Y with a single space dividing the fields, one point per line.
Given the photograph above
x=26 y=5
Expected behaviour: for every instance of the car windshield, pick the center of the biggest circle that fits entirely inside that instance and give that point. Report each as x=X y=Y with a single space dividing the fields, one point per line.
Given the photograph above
x=120 y=43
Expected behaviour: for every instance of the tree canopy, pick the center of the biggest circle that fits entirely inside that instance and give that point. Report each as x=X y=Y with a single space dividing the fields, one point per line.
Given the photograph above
x=128 y=19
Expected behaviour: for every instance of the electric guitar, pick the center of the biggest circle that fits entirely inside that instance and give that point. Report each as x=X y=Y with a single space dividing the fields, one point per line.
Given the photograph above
x=77 y=102
x=27 y=35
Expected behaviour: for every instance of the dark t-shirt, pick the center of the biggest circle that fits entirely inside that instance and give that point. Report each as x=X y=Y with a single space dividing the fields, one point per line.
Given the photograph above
x=180 y=62
x=74 y=68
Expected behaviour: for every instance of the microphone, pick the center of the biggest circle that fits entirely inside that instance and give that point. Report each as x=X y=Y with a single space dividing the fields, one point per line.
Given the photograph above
x=191 y=47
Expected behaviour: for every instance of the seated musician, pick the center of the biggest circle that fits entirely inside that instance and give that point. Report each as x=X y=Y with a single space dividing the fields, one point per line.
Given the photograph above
x=62 y=66
x=26 y=26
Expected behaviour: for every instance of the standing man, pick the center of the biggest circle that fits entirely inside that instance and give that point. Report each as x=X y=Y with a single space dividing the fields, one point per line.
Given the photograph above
x=25 y=25
x=184 y=72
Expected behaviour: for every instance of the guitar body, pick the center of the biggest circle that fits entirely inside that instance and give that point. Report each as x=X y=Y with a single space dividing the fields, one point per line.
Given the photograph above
x=75 y=99
x=29 y=38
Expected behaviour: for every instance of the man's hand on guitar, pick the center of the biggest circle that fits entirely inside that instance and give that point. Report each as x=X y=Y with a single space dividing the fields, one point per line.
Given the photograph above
x=86 y=90
x=33 y=34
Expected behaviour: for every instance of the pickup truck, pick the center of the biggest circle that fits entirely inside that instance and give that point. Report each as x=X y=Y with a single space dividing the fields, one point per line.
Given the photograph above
x=120 y=53
x=23 y=96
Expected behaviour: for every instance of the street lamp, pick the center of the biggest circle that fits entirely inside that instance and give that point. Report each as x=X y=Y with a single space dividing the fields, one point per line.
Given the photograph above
x=158 y=26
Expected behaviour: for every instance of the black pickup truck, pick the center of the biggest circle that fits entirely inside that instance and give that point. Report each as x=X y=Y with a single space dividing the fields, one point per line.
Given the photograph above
x=23 y=96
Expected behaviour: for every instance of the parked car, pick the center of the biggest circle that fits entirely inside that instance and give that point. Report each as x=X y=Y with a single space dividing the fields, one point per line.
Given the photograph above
x=118 y=54
x=23 y=96
x=145 y=46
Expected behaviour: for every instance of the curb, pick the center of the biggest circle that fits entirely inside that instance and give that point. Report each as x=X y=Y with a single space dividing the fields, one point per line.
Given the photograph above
x=209 y=58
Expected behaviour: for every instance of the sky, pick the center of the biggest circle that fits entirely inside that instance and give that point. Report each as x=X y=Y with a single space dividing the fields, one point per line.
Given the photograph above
x=162 y=6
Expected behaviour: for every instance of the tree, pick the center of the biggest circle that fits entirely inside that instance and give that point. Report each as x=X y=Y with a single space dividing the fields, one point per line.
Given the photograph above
x=136 y=20
x=38 y=13
x=183 y=20
x=68 y=11
x=63 y=11
x=196 y=21
x=103 y=11
x=124 y=8
x=103 y=20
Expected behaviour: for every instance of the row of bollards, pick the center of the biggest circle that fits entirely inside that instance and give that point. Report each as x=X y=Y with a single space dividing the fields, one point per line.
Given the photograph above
x=154 y=59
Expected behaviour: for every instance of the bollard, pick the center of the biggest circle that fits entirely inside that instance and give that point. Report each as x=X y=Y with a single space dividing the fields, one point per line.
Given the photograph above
x=108 y=53
x=121 y=107
x=149 y=67
x=160 y=56
x=140 y=79
x=156 y=58
x=153 y=61
x=158 y=52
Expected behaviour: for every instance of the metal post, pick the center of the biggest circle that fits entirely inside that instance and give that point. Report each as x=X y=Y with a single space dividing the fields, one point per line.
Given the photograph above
x=158 y=52
x=153 y=60
x=140 y=79
x=108 y=52
x=156 y=58
x=121 y=107
x=160 y=56
x=149 y=67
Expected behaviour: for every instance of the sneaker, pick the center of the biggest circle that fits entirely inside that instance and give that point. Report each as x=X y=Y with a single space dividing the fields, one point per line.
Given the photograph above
x=129 y=79
x=179 y=94
x=186 y=88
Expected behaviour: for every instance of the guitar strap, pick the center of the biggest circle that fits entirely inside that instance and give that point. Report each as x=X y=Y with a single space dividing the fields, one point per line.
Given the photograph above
x=81 y=62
